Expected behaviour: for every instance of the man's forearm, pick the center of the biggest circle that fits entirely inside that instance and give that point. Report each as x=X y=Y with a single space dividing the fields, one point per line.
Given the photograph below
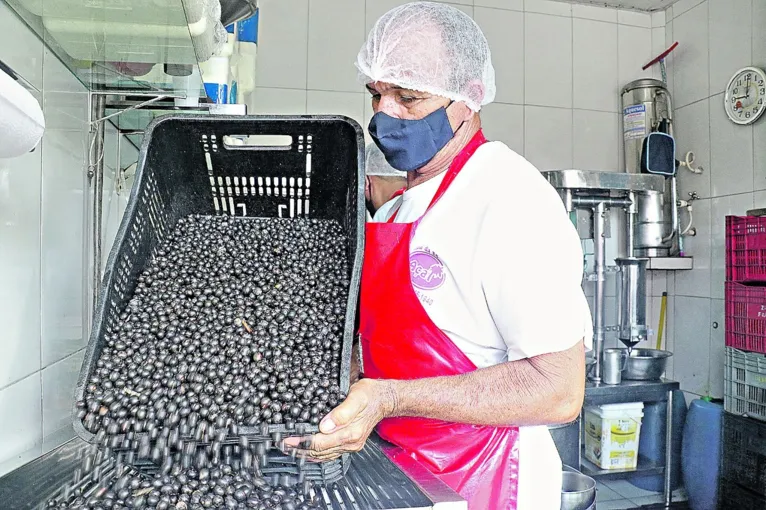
x=546 y=389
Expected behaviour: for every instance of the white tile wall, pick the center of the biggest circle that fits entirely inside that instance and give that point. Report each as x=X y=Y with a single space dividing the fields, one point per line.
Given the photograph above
x=730 y=40
x=731 y=152
x=350 y=104
x=595 y=13
x=683 y=6
x=282 y=44
x=548 y=137
x=21 y=426
x=548 y=60
x=693 y=134
x=596 y=140
x=504 y=30
x=63 y=243
x=514 y=5
x=696 y=282
x=332 y=52
x=691 y=343
x=635 y=18
x=759 y=155
x=717 y=347
x=548 y=7
x=670 y=59
x=536 y=47
x=20 y=266
x=635 y=51
x=504 y=122
x=58 y=385
x=722 y=207
x=266 y=100
x=691 y=59
x=759 y=199
x=41 y=201
x=716 y=37
x=595 y=75
x=376 y=8
x=759 y=35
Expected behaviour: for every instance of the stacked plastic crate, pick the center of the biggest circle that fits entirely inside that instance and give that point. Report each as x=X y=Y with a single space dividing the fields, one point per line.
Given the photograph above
x=743 y=483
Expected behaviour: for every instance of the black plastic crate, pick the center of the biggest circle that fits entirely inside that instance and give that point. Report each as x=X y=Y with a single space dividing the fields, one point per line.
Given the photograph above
x=744 y=452
x=733 y=497
x=199 y=165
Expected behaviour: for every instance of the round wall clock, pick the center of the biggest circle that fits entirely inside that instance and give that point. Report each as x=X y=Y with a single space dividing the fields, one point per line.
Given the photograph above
x=745 y=95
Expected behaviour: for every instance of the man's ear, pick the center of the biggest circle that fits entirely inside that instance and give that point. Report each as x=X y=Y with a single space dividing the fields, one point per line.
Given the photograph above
x=475 y=90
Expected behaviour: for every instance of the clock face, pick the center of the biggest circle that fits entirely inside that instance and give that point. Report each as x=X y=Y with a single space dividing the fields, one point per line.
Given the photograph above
x=745 y=96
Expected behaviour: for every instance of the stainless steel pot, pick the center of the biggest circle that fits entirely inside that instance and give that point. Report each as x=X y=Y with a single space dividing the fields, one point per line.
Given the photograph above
x=646 y=364
x=578 y=492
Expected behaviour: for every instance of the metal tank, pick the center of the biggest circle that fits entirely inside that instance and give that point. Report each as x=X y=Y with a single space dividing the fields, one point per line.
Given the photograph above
x=647 y=107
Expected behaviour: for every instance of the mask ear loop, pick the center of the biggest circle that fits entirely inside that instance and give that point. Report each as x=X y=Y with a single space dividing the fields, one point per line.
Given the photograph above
x=445 y=111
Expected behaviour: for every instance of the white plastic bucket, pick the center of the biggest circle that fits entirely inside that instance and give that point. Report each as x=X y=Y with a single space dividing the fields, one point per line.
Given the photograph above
x=612 y=433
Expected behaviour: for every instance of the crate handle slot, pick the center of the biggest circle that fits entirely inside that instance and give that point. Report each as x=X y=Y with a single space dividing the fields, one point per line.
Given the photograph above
x=258 y=142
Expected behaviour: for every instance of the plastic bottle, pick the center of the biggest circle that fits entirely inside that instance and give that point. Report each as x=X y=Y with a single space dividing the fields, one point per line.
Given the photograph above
x=701 y=453
x=247 y=37
x=215 y=72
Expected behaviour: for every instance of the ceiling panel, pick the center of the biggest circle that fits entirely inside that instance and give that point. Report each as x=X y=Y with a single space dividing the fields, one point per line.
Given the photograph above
x=641 y=5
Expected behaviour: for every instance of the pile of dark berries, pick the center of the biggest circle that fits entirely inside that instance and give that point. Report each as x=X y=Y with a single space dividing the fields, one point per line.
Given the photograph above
x=181 y=489
x=234 y=322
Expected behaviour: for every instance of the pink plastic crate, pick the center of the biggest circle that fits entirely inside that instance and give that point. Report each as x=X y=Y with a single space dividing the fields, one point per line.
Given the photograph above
x=746 y=249
x=746 y=317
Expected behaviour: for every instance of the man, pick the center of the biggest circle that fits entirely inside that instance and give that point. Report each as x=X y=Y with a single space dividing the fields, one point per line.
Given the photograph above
x=472 y=318
x=382 y=181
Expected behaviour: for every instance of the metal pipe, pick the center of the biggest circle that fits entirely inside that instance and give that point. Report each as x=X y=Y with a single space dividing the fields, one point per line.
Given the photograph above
x=568 y=200
x=96 y=170
x=594 y=201
x=668 y=492
x=673 y=210
x=139 y=93
x=630 y=216
x=599 y=242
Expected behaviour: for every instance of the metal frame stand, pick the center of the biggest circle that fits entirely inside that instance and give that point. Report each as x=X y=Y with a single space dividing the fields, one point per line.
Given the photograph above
x=634 y=391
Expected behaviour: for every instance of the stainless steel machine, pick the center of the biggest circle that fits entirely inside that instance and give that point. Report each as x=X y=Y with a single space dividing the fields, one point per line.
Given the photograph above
x=647 y=223
x=592 y=195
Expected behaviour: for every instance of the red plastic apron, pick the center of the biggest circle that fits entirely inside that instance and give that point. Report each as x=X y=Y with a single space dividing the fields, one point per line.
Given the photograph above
x=400 y=341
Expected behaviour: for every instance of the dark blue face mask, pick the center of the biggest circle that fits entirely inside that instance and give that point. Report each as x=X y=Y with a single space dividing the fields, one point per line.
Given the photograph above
x=409 y=144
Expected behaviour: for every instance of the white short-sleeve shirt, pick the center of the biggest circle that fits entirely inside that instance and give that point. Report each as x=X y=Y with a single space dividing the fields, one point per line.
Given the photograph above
x=497 y=265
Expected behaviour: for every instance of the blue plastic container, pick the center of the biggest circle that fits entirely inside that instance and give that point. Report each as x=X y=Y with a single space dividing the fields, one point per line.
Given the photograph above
x=651 y=444
x=701 y=453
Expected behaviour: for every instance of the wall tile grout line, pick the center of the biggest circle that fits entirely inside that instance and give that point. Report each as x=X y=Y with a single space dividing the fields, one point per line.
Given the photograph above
x=308 y=49
x=572 y=94
x=40 y=253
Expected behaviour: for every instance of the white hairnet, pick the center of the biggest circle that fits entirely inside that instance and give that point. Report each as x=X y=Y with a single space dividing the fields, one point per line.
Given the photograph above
x=432 y=48
x=376 y=164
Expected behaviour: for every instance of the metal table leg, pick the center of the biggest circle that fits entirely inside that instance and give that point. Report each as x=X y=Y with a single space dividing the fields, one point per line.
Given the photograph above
x=668 y=492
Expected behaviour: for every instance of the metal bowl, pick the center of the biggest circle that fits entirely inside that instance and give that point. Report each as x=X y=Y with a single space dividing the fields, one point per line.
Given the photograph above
x=645 y=364
x=578 y=492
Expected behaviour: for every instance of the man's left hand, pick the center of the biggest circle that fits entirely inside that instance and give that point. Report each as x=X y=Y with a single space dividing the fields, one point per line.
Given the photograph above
x=348 y=426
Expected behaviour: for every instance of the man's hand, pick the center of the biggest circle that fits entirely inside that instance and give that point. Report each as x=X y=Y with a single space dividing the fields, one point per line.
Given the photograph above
x=349 y=425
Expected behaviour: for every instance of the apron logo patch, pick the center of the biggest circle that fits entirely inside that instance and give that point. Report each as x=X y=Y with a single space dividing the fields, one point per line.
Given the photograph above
x=426 y=270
